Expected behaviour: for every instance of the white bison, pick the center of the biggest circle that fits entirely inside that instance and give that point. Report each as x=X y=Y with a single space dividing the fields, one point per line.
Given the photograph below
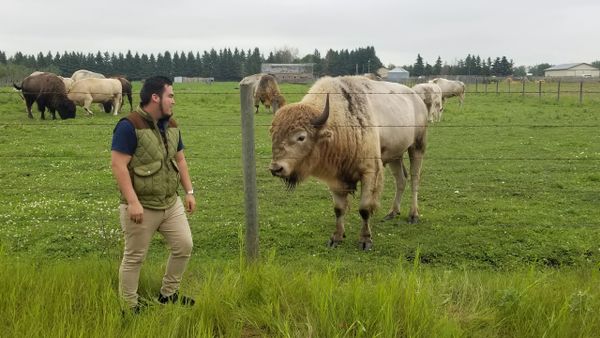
x=86 y=91
x=344 y=131
x=86 y=74
x=431 y=94
x=450 y=88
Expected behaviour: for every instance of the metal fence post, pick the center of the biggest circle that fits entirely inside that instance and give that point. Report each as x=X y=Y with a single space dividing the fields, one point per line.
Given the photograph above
x=249 y=167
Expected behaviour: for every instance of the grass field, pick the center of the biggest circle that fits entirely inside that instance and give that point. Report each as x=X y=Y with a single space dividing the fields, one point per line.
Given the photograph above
x=508 y=243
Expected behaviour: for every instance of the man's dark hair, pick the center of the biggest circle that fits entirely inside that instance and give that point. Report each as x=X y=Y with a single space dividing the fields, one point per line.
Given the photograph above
x=153 y=85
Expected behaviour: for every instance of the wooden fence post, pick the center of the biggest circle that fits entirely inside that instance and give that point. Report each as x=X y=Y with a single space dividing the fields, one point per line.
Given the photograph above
x=581 y=92
x=540 y=89
x=558 y=92
x=523 y=89
x=249 y=168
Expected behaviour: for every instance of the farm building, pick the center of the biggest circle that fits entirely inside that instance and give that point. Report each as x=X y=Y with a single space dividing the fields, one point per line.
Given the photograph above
x=183 y=79
x=397 y=74
x=290 y=73
x=572 y=70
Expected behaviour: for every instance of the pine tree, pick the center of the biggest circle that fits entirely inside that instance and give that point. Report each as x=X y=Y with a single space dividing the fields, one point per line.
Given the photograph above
x=419 y=68
x=437 y=68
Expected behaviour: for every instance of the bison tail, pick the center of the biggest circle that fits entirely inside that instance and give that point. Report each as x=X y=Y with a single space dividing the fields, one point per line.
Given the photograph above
x=17 y=87
x=129 y=98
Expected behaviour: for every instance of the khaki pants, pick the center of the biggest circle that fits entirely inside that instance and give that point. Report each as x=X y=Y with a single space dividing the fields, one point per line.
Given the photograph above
x=172 y=223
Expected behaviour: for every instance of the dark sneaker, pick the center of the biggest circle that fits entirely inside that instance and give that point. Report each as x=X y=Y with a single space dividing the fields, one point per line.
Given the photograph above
x=142 y=304
x=175 y=298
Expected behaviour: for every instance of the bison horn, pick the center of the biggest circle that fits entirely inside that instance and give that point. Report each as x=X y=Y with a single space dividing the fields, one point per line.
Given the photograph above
x=320 y=120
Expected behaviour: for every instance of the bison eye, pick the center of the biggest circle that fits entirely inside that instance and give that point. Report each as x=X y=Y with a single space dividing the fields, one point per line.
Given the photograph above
x=301 y=138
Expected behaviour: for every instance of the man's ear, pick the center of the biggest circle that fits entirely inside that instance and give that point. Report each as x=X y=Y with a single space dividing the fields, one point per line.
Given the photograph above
x=155 y=98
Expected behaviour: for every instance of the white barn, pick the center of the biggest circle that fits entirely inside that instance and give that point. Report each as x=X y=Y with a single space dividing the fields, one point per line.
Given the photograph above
x=572 y=70
x=397 y=74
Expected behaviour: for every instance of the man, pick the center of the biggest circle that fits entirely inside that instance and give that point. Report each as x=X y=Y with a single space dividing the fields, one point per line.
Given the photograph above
x=148 y=164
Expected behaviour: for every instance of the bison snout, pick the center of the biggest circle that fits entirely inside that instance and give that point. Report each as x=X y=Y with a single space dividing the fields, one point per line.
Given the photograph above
x=276 y=169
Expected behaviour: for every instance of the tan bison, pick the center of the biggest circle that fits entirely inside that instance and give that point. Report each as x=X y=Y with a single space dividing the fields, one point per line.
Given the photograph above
x=126 y=92
x=431 y=94
x=450 y=89
x=86 y=91
x=344 y=131
x=48 y=91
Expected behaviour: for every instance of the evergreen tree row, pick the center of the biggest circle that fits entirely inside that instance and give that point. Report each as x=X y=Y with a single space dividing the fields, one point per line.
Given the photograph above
x=471 y=65
x=223 y=65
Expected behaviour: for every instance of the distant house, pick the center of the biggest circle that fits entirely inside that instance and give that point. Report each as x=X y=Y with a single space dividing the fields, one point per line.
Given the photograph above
x=290 y=72
x=397 y=74
x=572 y=70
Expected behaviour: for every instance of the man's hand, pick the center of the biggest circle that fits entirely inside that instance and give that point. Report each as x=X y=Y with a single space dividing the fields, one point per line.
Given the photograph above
x=190 y=203
x=135 y=212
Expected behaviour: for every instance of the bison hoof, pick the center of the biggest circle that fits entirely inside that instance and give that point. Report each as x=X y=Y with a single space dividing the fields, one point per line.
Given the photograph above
x=365 y=246
x=333 y=243
x=413 y=219
x=389 y=216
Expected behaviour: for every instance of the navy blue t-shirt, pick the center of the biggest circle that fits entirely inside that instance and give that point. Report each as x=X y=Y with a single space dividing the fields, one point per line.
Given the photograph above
x=125 y=141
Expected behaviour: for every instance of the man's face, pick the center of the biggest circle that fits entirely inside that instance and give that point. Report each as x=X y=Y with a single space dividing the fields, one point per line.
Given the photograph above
x=167 y=101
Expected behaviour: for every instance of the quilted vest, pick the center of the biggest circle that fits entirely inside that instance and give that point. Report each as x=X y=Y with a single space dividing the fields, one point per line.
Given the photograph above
x=153 y=169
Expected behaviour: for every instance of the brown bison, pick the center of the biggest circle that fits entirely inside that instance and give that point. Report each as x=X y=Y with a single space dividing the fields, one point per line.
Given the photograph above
x=366 y=125
x=264 y=90
x=48 y=91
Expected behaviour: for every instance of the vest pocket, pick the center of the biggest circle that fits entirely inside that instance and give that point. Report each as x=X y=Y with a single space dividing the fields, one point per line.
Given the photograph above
x=148 y=169
x=175 y=166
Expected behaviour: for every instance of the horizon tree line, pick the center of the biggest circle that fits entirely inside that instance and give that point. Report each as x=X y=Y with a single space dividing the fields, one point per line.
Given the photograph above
x=223 y=65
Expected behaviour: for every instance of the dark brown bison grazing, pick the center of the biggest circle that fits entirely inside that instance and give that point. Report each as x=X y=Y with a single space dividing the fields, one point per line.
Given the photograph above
x=48 y=91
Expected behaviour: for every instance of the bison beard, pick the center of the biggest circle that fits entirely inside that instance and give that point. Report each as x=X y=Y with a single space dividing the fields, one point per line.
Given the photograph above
x=291 y=182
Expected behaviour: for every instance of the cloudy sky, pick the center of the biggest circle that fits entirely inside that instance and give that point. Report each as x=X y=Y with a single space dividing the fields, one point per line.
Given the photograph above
x=528 y=31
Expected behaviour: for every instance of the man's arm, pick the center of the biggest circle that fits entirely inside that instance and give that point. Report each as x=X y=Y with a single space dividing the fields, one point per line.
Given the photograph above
x=119 y=163
x=186 y=181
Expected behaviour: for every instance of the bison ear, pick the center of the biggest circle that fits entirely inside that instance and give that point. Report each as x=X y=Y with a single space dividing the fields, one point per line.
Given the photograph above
x=319 y=121
x=325 y=134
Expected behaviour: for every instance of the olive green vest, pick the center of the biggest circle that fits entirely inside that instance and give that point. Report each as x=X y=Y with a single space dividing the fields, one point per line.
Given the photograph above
x=153 y=168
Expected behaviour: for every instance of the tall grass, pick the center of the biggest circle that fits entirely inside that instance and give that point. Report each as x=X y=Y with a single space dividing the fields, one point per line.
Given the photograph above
x=77 y=298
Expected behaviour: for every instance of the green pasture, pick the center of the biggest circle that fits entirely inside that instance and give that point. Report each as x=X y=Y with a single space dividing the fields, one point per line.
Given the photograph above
x=508 y=243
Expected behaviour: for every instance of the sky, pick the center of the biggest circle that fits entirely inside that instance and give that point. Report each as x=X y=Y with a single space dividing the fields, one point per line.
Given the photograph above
x=529 y=32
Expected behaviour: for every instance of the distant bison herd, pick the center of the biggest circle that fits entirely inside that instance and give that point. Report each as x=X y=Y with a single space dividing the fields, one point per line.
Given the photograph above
x=60 y=94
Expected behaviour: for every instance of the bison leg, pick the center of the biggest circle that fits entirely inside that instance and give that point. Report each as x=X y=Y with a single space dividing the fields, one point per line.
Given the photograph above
x=42 y=109
x=415 y=154
x=29 y=103
x=86 y=106
x=117 y=103
x=400 y=176
x=340 y=199
x=371 y=186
